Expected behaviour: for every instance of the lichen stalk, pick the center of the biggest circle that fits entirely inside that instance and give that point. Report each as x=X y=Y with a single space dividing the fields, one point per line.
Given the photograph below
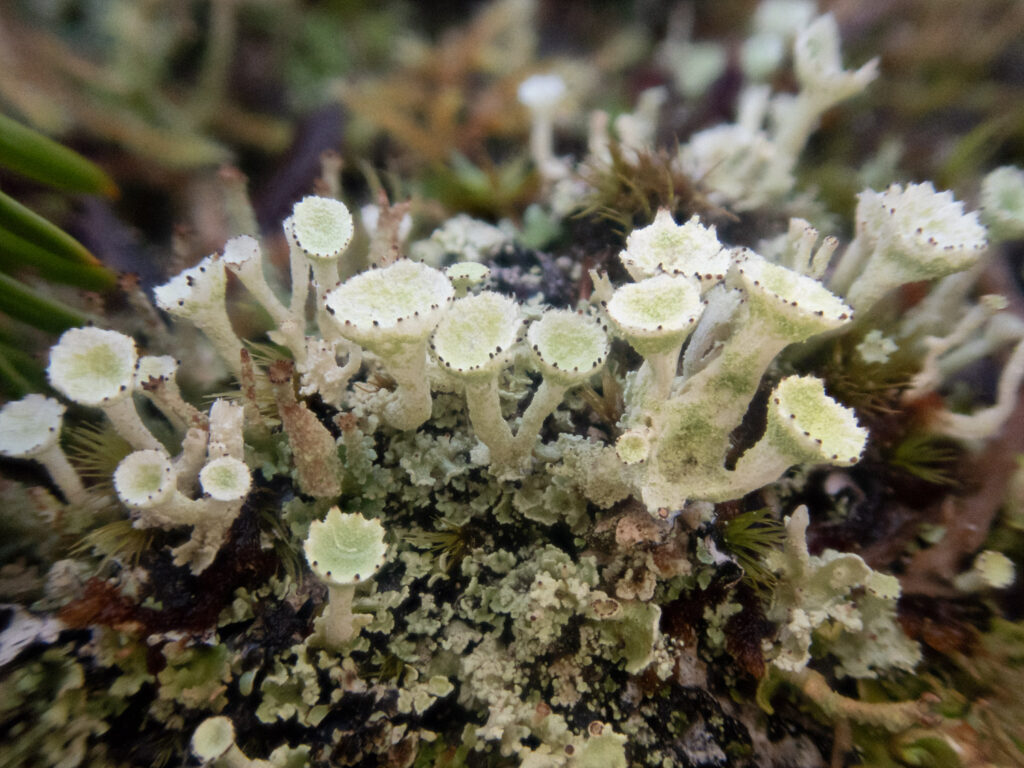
x=63 y=474
x=129 y=425
x=336 y=625
x=725 y=386
x=655 y=378
x=243 y=256
x=166 y=396
x=299 y=266
x=216 y=326
x=410 y=404
x=546 y=399
x=988 y=421
x=193 y=454
x=894 y=716
x=484 y=404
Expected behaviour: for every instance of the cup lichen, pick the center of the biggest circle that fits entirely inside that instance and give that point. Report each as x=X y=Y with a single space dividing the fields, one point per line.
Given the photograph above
x=585 y=519
x=343 y=550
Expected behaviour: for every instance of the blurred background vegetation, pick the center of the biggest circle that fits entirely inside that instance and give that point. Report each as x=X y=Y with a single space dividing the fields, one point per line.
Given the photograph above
x=167 y=98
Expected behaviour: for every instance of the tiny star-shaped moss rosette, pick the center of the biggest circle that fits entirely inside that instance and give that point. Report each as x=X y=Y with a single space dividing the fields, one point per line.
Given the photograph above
x=343 y=550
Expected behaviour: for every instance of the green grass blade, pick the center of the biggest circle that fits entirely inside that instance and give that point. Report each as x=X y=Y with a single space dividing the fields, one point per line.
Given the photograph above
x=26 y=223
x=31 y=154
x=17 y=254
x=22 y=303
x=20 y=373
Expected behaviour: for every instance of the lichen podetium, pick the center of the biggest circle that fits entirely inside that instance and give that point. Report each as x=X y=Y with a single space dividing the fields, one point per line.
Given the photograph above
x=466 y=502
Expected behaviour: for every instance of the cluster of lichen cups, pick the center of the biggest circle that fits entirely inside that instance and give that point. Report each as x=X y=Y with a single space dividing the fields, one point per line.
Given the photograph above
x=675 y=428
x=391 y=347
x=101 y=368
x=400 y=313
x=707 y=321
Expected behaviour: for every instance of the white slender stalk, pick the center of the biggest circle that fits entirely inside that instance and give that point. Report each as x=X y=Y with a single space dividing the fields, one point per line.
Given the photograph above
x=198 y=295
x=30 y=429
x=931 y=374
x=325 y=277
x=216 y=326
x=179 y=510
x=761 y=465
x=741 y=362
x=654 y=380
x=191 y=459
x=1002 y=330
x=411 y=403
x=484 y=404
x=849 y=266
x=166 y=396
x=988 y=421
x=545 y=400
x=128 y=423
x=932 y=314
x=542 y=141
x=243 y=257
x=337 y=626
x=64 y=476
x=823 y=257
x=300 y=280
x=227 y=420
x=541 y=94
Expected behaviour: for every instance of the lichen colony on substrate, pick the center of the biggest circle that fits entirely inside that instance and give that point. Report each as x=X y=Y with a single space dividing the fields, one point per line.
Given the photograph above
x=437 y=525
